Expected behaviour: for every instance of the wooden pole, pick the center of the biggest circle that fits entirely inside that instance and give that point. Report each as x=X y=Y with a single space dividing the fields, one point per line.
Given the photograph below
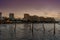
x=0 y=34
x=43 y=32
x=54 y=32
x=15 y=31
x=32 y=32
x=54 y=29
x=43 y=28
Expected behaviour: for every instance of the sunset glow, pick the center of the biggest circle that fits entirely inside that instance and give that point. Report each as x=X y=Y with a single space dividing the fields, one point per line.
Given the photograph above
x=46 y=8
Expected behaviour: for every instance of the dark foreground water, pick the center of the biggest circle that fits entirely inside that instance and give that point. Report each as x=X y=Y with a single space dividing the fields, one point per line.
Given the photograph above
x=29 y=31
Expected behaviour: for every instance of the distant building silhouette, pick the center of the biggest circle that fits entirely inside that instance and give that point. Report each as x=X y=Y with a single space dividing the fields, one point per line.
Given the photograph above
x=41 y=18
x=26 y=17
x=0 y=15
x=49 y=19
x=35 y=18
x=11 y=16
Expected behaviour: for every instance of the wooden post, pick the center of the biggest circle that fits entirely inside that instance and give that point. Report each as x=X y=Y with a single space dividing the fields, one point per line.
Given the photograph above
x=54 y=32
x=15 y=31
x=43 y=31
x=32 y=32
x=0 y=34
x=54 y=29
x=43 y=28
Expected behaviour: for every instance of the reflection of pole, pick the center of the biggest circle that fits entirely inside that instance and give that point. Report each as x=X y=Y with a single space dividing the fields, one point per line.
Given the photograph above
x=32 y=32
x=54 y=31
x=15 y=30
x=43 y=31
x=43 y=28
x=0 y=34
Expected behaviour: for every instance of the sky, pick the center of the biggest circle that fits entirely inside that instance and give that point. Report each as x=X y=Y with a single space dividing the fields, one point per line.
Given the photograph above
x=46 y=8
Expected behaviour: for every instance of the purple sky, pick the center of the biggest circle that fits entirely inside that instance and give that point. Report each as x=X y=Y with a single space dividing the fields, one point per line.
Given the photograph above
x=49 y=8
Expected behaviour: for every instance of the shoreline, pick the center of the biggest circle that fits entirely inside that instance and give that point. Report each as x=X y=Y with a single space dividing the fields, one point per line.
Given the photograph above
x=29 y=22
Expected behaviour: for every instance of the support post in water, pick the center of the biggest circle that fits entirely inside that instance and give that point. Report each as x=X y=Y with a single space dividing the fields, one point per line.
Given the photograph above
x=0 y=34
x=54 y=30
x=43 y=28
x=32 y=32
x=15 y=30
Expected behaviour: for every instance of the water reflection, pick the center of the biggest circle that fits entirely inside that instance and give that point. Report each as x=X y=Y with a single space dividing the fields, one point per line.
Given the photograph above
x=37 y=31
x=27 y=32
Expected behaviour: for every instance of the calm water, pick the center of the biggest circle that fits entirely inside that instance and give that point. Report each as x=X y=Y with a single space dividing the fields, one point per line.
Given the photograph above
x=24 y=32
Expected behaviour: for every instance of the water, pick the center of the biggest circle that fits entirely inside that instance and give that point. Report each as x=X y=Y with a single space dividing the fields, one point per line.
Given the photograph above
x=25 y=31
